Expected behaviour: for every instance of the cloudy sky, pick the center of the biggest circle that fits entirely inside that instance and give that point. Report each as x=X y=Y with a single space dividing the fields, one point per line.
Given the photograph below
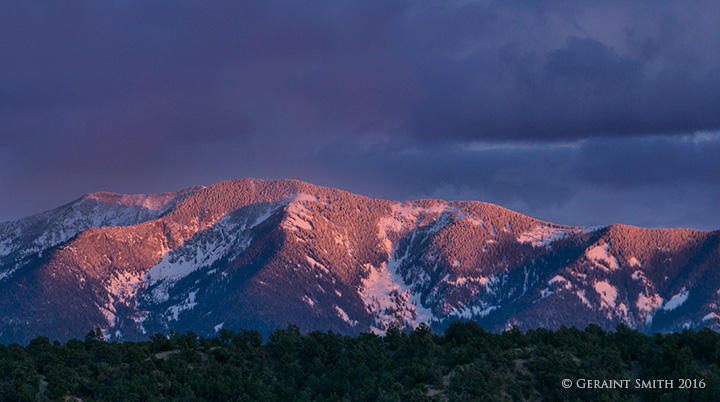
x=581 y=112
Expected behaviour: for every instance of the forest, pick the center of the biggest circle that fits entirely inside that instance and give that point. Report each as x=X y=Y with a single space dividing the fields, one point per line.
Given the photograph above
x=466 y=363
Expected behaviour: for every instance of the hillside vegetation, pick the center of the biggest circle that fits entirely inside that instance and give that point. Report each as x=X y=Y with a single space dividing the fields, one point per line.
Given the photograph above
x=465 y=364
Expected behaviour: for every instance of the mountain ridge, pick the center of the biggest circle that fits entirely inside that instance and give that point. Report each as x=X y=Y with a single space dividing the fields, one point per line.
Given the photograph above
x=260 y=254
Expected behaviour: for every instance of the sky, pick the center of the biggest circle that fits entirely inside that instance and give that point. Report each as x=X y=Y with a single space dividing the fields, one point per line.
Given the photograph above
x=577 y=112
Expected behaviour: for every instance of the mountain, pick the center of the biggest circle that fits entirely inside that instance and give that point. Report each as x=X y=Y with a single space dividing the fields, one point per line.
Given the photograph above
x=263 y=254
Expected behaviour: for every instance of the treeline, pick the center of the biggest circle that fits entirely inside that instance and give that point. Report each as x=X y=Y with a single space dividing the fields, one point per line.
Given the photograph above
x=465 y=364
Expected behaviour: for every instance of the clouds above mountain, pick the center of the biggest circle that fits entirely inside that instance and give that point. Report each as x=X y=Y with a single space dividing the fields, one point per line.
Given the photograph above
x=536 y=104
x=650 y=181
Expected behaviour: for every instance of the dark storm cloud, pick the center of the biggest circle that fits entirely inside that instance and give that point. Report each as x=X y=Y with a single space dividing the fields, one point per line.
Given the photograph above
x=510 y=101
x=651 y=162
x=572 y=71
x=650 y=182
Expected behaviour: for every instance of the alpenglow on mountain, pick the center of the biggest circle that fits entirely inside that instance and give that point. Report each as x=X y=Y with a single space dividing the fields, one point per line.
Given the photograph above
x=260 y=254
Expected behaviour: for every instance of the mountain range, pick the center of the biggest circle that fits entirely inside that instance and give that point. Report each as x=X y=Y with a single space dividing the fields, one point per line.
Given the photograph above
x=260 y=254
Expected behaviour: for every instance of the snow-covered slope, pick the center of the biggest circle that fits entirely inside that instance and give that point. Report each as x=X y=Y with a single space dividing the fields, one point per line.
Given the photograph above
x=47 y=229
x=263 y=254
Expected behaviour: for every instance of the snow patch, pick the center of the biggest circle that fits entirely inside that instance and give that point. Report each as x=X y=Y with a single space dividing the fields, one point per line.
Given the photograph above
x=634 y=262
x=7 y=273
x=308 y=300
x=187 y=304
x=388 y=298
x=108 y=314
x=647 y=305
x=406 y=216
x=711 y=316
x=462 y=280
x=475 y=222
x=607 y=292
x=298 y=217
x=341 y=240
x=304 y=197
x=123 y=285
x=601 y=254
x=581 y=295
x=218 y=327
x=139 y=319
x=6 y=247
x=556 y=278
x=622 y=308
x=342 y=314
x=545 y=293
x=542 y=236
x=562 y=283
x=175 y=266
x=473 y=312
x=677 y=300
x=314 y=264
x=409 y=209
x=156 y=202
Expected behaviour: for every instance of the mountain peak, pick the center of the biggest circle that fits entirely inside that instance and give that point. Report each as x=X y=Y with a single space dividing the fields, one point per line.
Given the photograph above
x=149 y=201
x=261 y=254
